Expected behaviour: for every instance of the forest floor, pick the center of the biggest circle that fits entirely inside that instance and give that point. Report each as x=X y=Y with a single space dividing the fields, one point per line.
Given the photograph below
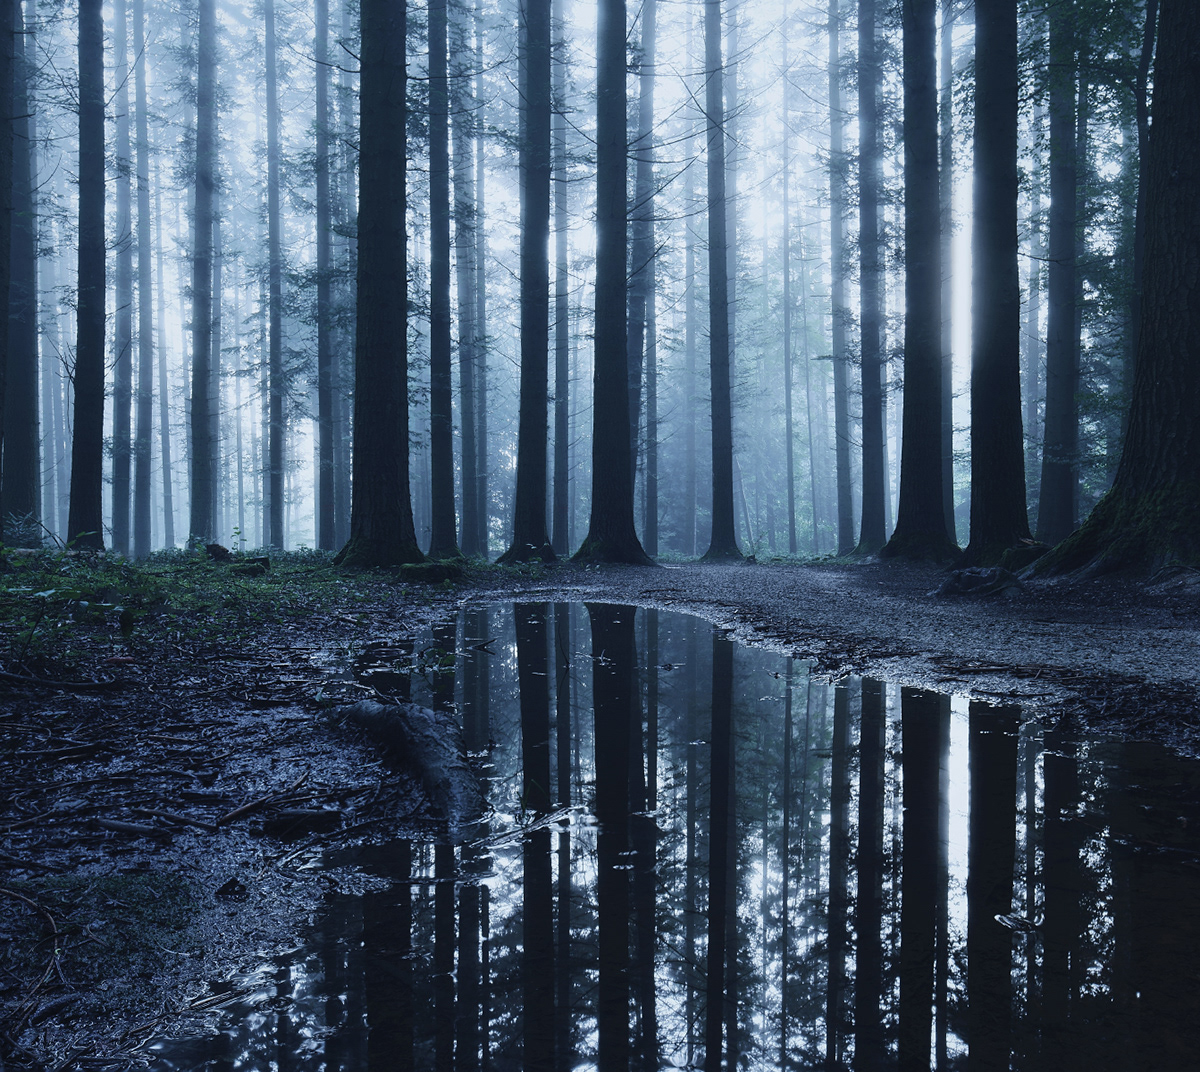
x=172 y=761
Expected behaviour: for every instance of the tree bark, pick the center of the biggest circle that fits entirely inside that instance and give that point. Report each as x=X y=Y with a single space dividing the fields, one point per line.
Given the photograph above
x=123 y=319
x=921 y=521
x=946 y=216
x=275 y=385
x=85 y=526
x=381 y=520
x=144 y=431
x=998 y=518
x=326 y=515
x=164 y=385
x=1151 y=515
x=562 y=327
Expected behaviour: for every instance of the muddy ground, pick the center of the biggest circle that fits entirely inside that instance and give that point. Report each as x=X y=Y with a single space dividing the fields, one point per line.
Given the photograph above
x=172 y=766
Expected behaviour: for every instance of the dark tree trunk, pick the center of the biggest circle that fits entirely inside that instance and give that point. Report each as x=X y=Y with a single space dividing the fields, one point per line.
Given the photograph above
x=529 y=511
x=946 y=217
x=836 y=1005
x=562 y=327
x=201 y=520
x=720 y=844
x=869 y=1044
x=789 y=416
x=22 y=465
x=1151 y=515
x=143 y=436
x=275 y=385
x=122 y=453
x=443 y=524
x=326 y=514
x=483 y=509
x=873 y=534
x=921 y=520
x=381 y=520
x=998 y=518
x=1059 y=491
x=465 y=222
x=723 y=541
x=85 y=526
x=650 y=522
x=611 y=535
x=691 y=506
x=164 y=387
x=837 y=264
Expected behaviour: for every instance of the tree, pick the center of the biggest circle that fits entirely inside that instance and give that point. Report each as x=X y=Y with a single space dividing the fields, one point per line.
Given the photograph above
x=530 y=539
x=723 y=542
x=611 y=535
x=381 y=521
x=560 y=527
x=873 y=534
x=123 y=320
x=326 y=516
x=920 y=519
x=1151 y=514
x=275 y=386
x=203 y=475
x=145 y=280
x=998 y=518
x=85 y=524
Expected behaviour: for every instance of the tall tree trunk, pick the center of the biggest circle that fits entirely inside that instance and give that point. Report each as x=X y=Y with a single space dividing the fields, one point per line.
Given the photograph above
x=381 y=520
x=869 y=1043
x=921 y=530
x=946 y=216
x=164 y=385
x=562 y=326
x=611 y=534
x=723 y=541
x=1058 y=499
x=529 y=510
x=720 y=844
x=275 y=446
x=836 y=1018
x=203 y=476
x=483 y=508
x=443 y=524
x=123 y=319
x=839 y=310
x=144 y=433
x=873 y=534
x=691 y=504
x=1032 y=348
x=650 y=522
x=789 y=416
x=22 y=465
x=326 y=514
x=85 y=527
x=998 y=518
x=462 y=104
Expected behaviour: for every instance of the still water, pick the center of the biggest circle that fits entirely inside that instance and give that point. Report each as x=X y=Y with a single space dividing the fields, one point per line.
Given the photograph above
x=699 y=856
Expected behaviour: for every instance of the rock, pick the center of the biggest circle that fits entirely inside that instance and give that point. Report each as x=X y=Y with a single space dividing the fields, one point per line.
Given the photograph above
x=979 y=581
x=218 y=553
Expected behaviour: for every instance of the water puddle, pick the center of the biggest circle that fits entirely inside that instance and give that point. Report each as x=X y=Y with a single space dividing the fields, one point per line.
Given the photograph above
x=695 y=848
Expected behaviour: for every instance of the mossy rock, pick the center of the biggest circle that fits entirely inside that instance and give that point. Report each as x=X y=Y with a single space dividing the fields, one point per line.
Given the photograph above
x=432 y=572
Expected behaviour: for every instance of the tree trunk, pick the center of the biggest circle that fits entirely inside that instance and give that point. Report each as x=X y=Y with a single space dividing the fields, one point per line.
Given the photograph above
x=690 y=388
x=840 y=313
x=85 y=527
x=836 y=1004
x=483 y=509
x=562 y=326
x=1150 y=515
x=946 y=216
x=203 y=476
x=381 y=520
x=144 y=433
x=1058 y=498
x=921 y=520
x=22 y=464
x=276 y=535
x=873 y=534
x=869 y=1042
x=164 y=385
x=326 y=515
x=611 y=535
x=998 y=518
x=123 y=319
x=723 y=541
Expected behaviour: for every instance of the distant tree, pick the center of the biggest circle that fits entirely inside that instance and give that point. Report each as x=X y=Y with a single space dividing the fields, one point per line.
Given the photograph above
x=326 y=513
x=611 y=535
x=85 y=524
x=381 y=520
x=920 y=519
x=1151 y=515
x=122 y=444
x=143 y=435
x=560 y=527
x=998 y=518
x=275 y=385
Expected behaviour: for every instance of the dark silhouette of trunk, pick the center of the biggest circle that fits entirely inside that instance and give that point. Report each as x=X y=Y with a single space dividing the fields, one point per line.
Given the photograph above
x=921 y=530
x=443 y=957
x=946 y=217
x=992 y=853
x=836 y=1019
x=873 y=533
x=85 y=526
x=483 y=510
x=785 y=864
x=723 y=541
x=462 y=106
x=164 y=386
x=789 y=416
x=562 y=326
x=326 y=513
x=564 y=1054
x=720 y=849
x=529 y=510
x=869 y=1046
x=998 y=518
x=840 y=313
x=381 y=520
x=7 y=28
x=143 y=436
x=941 y=966
x=21 y=435
x=1150 y=515
x=1031 y=371
x=611 y=535
x=122 y=452
x=443 y=524
x=920 y=716
x=644 y=841
x=388 y=978
x=613 y=661
x=650 y=523
x=691 y=388
x=1059 y=492
x=275 y=386
x=200 y=525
